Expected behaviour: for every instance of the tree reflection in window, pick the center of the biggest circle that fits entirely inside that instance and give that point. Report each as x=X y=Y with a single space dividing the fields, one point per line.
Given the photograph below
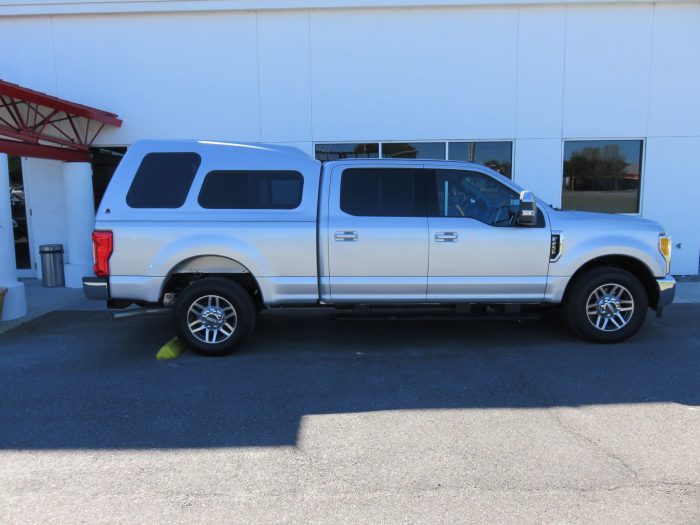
x=327 y=152
x=496 y=155
x=602 y=175
x=413 y=150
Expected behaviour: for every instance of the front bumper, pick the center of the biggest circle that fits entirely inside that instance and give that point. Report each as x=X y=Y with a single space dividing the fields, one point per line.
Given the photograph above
x=667 y=291
x=96 y=288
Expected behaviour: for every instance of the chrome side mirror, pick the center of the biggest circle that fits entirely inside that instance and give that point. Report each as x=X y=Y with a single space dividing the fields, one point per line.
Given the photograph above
x=527 y=210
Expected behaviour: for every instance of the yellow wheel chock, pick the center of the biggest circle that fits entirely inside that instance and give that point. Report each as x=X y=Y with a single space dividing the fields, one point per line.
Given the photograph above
x=171 y=350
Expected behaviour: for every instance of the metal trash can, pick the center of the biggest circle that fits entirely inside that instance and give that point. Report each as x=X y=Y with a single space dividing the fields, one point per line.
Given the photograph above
x=52 y=265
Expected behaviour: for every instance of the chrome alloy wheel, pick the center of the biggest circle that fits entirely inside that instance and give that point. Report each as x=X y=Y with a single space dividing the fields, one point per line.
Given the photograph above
x=610 y=307
x=212 y=319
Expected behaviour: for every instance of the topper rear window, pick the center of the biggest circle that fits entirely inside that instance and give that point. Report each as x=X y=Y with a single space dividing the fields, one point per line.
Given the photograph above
x=163 y=180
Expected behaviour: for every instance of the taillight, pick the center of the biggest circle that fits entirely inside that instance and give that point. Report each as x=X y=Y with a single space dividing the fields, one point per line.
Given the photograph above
x=102 y=245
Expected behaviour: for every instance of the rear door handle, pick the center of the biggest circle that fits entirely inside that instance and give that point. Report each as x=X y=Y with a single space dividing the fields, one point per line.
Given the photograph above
x=446 y=237
x=346 y=236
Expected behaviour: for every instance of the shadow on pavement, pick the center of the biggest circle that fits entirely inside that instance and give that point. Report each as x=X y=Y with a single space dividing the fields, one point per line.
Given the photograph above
x=77 y=380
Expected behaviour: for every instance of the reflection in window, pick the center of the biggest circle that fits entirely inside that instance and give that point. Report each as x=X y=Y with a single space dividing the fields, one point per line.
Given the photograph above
x=602 y=175
x=474 y=195
x=326 y=152
x=413 y=150
x=20 y=230
x=250 y=190
x=382 y=192
x=495 y=155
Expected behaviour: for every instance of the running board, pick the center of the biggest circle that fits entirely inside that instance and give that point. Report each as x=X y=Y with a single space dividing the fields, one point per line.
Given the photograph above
x=364 y=313
x=140 y=312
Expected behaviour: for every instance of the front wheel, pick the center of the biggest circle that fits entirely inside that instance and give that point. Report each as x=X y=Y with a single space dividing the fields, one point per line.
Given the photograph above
x=214 y=316
x=606 y=305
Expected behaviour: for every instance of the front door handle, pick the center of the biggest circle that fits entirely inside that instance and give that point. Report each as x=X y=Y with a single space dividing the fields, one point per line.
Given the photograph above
x=346 y=236
x=446 y=237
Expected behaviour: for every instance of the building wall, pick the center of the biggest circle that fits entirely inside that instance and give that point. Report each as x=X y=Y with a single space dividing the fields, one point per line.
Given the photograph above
x=532 y=74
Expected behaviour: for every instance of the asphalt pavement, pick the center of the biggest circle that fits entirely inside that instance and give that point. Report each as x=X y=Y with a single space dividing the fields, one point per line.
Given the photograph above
x=320 y=420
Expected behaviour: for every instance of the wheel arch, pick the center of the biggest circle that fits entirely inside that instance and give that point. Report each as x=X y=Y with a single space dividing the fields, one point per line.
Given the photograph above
x=623 y=262
x=201 y=266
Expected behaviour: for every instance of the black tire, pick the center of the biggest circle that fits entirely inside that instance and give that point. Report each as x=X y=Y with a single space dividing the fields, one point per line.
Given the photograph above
x=215 y=318
x=586 y=314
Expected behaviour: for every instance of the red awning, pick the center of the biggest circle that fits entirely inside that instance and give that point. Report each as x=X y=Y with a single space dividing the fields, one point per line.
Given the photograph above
x=35 y=124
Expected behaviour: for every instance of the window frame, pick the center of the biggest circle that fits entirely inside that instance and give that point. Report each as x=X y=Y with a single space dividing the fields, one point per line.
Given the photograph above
x=642 y=169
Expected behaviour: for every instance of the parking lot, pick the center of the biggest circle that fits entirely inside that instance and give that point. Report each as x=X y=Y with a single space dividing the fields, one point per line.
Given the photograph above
x=326 y=420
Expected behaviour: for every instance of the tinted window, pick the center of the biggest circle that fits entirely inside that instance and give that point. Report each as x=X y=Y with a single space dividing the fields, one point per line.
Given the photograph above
x=244 y=190
x=495 y=155
x=602 y=175
x=413 y=150
x=382 y=192
x=325 y=152
x=469 y=194
x=163 y=180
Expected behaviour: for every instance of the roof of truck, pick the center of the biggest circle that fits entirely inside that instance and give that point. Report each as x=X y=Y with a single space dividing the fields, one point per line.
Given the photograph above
x=182 y=144
x=225 y=153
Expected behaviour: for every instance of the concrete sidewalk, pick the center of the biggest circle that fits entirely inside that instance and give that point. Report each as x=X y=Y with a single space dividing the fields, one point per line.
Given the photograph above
x=41 y=301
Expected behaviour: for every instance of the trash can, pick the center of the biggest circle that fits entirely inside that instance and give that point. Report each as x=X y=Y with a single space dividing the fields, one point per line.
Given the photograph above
x=52 y=265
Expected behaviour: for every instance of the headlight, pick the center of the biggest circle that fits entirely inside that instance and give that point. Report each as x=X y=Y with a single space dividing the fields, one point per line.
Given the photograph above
x=665 y=249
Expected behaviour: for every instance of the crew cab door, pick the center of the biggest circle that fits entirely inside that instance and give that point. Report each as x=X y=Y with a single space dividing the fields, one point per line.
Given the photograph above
x=377 y=234
x=477 y=250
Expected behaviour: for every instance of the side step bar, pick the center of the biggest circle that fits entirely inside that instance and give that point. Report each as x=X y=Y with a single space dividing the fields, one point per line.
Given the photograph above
x=140 y=312
x=459 y=312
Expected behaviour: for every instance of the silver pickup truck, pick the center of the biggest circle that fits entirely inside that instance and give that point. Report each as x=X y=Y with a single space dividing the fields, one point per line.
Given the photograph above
x=219 y=231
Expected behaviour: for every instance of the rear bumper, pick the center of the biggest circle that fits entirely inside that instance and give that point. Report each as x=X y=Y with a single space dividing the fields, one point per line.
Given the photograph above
x=667 y=291
x=96 y=288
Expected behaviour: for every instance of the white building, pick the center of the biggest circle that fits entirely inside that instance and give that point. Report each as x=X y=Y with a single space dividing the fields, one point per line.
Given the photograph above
x=589 y=105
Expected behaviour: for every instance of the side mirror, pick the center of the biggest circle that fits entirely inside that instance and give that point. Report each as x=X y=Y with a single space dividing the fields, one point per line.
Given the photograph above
x=527 y=210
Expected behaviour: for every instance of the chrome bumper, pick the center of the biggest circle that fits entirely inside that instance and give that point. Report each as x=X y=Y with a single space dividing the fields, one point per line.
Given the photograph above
x=667 y=291
x=96 y=288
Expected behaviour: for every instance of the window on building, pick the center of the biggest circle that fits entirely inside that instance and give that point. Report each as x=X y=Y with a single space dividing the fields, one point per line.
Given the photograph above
x=104 y=161
x=20 y=229
x=250 y=190
x=602 y=175
x=496 y=155
x=383 y=192
x=326 y=152
x=413 y=150
x=163 y=180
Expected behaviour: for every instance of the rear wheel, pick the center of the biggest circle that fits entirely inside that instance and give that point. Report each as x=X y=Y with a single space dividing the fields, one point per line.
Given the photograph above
x=606 y=305
x=214 y=316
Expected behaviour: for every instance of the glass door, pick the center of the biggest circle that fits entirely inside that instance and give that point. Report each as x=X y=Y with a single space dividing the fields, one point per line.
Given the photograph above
x=20 y=226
